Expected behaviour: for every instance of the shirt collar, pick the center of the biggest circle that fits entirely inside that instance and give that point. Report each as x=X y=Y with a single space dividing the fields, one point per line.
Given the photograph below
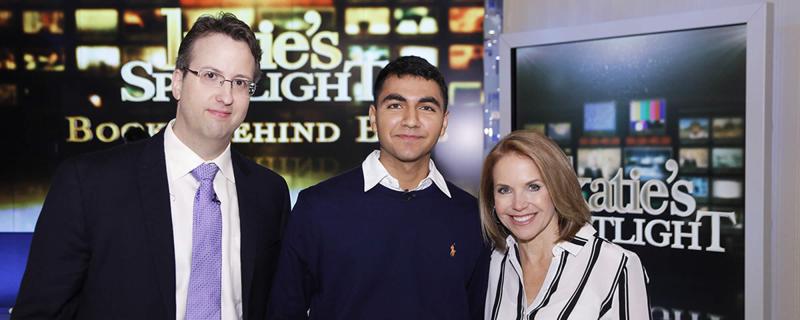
x=585 y=235
x=375 y=172
x=182 y=160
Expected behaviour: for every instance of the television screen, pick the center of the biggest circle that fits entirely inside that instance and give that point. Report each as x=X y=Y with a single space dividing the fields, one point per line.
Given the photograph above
x=368 y=53
x=464 y=56
x=648 y=116
x=43 y=59
x=649 y=162
x=727 y=159
x=431 y=54
x=415 y=21
x=680 y=91
x=6 y=20
x=293 y=19
x=96 y=23
x=43 y=22
x=600 y=118
x=144 y=25
x=727 y=128
x=693 y=159
x=190 y=15
x=598 y=162
x=560 y=132
x=726 y=191
x=155 y=55
x=535 y=127
x=101 y=59
x=699 y=186
x=466 y=19
x=8 y=94
x=366 y=21
x=7 y=59
x=693 y=129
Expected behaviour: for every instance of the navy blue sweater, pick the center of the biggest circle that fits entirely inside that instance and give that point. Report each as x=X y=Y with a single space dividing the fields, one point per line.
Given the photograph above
x=381 y=254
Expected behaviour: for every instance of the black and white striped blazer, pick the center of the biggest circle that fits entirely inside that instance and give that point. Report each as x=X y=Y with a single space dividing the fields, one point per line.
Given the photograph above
x=589 y=278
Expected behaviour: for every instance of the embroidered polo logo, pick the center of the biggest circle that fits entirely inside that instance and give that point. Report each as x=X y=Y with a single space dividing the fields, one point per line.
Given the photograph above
x=453 y=249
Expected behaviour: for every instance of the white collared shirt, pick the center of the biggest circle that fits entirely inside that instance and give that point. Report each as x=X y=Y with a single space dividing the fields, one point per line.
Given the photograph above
x=182 y=188
x=588 y=278
x=375 y=173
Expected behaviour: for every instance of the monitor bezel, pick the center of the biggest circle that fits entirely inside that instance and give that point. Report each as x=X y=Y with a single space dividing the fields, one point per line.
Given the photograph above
x=758 y=21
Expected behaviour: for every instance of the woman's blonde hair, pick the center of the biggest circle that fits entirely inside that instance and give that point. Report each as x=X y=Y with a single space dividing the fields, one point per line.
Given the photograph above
x=558 y=177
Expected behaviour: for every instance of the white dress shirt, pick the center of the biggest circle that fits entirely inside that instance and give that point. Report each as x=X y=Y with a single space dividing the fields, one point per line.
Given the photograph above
x=375 y=173
x=588 y=278
x=182 y=188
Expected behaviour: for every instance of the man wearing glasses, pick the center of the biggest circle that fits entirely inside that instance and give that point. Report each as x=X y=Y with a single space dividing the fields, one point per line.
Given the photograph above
x=176 y=226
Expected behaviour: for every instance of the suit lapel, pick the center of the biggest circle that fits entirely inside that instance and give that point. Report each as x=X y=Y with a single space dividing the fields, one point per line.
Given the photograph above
x=154 y=193
x=248 y=222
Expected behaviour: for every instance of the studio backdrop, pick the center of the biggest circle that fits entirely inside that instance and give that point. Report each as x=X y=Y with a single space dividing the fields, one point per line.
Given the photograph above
x=75 y=76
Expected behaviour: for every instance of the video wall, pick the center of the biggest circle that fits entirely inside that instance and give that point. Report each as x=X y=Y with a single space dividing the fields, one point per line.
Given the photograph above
x=76 y=75
x=655 y=127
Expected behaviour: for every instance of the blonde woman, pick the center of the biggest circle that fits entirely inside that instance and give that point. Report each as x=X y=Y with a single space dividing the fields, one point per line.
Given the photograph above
x=548 y=262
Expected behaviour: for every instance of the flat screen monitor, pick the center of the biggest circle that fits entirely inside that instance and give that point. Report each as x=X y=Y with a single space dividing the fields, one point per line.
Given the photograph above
x=648 y=162
x=683 y=81
x=693 y=129
x=648 y=116
x=600 y=118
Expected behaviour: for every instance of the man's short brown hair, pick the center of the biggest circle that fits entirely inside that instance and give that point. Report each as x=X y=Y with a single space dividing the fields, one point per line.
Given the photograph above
x=224 y=23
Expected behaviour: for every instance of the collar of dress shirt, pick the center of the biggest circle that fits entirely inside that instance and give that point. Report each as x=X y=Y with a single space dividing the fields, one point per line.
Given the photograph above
x=585 y=235
x=375 y=172
x=183 y=160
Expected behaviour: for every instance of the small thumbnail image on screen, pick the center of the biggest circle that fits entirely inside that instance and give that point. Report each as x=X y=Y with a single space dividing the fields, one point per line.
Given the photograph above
x=7 y=21
x=366 y=21
x=535 y=127
x=600 y=118
x=464 y=56
x=154 y=55
x=727 y=128
x=96 y=23
x=43 y=59
x=693 y=129
x=699 y=187
x=648 y=162
x=369 y=52
x=466 y=19
x=597 y=163
x=144 y=24
x=465 y=95
x=560 y=132
x=8 y=94
x=648 y=117
x=299 y=19
x=97 y=59
x=190 y=16
x=727 y=159
x=726 y=191
x=8 y=60
x=43 y=22
x=693 y=159
x=430 y=54
x=415 y=21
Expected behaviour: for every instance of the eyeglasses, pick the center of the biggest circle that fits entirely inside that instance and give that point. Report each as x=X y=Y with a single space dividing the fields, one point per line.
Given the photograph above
x=211 y=78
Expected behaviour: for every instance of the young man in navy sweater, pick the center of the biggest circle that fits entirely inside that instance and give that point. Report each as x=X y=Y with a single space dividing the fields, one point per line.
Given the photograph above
x=390 y=239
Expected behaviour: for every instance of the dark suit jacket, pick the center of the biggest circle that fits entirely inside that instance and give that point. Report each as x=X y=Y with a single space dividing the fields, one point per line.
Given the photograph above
x=103 y=246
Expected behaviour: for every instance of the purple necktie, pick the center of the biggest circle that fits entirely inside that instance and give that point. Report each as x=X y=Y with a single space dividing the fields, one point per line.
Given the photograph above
x=203 y=300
